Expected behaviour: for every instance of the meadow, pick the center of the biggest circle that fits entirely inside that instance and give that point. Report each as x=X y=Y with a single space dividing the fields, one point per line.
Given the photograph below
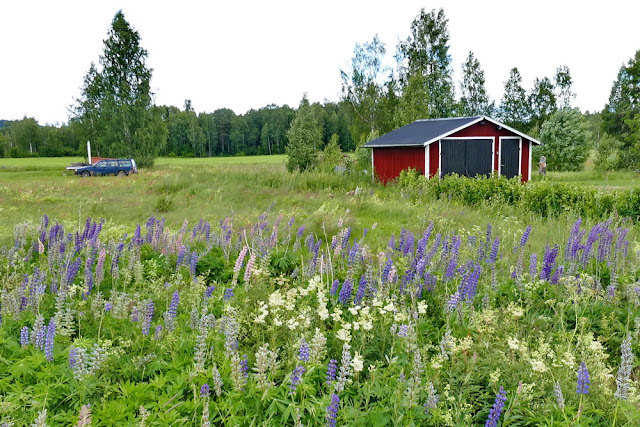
x=226 y=291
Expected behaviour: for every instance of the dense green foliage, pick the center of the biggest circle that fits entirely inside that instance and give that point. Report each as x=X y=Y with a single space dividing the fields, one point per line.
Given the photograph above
x=304 y=137
x=566 y=140
x=621 y=115
x=544 y=198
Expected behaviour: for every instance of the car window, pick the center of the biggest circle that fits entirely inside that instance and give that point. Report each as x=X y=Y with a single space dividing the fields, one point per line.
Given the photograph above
x=101 y=164
x=125 y=163
x=112 y=164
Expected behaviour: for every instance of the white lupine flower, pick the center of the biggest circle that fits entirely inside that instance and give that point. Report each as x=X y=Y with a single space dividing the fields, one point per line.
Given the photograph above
x=513 y=343
x=422 y=307
x=336 y=314
x=358 y=362
x=343 y=335
x=292 y=324
x=538 y=366
x=275 y=299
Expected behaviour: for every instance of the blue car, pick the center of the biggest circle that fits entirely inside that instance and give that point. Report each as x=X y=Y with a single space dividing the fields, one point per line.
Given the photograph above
x=120 y=167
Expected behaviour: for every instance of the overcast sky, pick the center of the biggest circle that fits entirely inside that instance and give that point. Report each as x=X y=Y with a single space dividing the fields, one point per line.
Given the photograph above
x=247 y=54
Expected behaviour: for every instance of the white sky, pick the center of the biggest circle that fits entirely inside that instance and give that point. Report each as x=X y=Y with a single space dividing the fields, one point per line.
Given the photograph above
x=247 y=54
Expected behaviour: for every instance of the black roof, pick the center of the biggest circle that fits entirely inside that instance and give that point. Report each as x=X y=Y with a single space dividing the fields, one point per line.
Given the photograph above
x=420 y=132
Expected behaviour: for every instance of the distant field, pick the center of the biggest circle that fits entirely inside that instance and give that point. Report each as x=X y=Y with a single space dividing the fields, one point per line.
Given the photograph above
x=214 y=188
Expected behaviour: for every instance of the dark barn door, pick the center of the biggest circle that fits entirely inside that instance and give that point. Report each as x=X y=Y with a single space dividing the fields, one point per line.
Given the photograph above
x=467 y=157
x=509 y=157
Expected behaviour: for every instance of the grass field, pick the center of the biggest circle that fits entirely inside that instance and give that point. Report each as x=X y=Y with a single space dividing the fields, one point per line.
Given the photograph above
x=307 y=299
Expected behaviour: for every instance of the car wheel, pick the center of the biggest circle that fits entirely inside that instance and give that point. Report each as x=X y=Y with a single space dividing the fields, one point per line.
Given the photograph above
x=86 y=174
x=122 y=173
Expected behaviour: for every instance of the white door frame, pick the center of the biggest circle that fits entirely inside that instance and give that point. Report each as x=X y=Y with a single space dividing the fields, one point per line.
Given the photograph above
x=519 y=153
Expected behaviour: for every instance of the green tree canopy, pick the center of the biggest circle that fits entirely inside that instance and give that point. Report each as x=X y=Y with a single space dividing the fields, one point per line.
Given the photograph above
x=115 y=108
x=363 y=87
x=621 y=113
x=542 y=100
x=474 y=100
x=425 y=54
x=514 y=107
x=565 y=140
x=303 y=135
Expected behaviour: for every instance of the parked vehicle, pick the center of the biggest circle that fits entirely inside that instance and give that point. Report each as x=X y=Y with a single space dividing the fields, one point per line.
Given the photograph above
x=120 y=167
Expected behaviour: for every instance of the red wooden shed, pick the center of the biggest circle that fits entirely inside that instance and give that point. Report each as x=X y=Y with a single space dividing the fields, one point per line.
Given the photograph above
x=467 y=146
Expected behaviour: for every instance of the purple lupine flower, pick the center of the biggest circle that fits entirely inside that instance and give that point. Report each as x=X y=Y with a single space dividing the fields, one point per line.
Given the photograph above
x=304 y=351
x=135 y=315
x=583 y=379
x=205 y=390
x=157 y=332
x=173 y=307
x=108 y=306
x=496 y=410
x=193 y=262
x=209 y=291
x=73 y=357
x=557 y=274
x=244 y=365
x=24 y=336
x=451 y=269
x=300 y=231
x=548 y=262
x=332 y=370
x=296 y=376
x=181 y=255
x=362 y=288
x=469 y=285
x=48 y=342
x=392 y=241
x=332 y=410
x=146 y=323
x=453 y=302
x=386 y=270
x=533 y=265
x=408 y=245
x=228 y=294
x=525 y=236
x=345 y=292
x=72 y=271
x=494 y=251
x=403 y=330
x=334 y=287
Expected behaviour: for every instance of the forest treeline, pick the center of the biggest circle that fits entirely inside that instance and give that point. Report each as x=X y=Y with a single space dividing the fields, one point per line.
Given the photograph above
x=375 y=99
